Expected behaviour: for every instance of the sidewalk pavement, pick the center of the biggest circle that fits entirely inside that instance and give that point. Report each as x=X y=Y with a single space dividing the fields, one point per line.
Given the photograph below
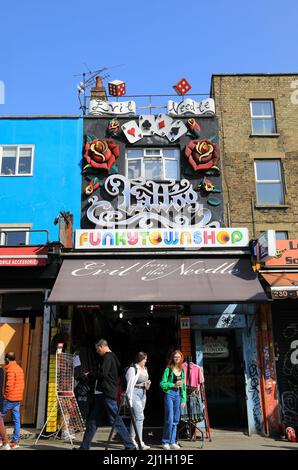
x=221 y=440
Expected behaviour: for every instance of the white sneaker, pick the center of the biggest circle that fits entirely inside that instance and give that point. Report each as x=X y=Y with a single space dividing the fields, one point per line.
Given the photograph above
x=175 y=446
x=5 y=447
x=145 y=447
x=166 y=446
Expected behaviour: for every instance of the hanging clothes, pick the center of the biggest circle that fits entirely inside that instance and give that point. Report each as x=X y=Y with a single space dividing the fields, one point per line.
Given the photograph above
x=194 y=376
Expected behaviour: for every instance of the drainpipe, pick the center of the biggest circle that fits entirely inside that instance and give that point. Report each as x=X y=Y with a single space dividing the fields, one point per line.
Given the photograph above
x=253 y=217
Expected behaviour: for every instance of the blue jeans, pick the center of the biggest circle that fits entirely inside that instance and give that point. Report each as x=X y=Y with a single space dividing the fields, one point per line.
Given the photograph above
x=172 y=403
x=14 y=407
x=138 y=404
x=100 y=404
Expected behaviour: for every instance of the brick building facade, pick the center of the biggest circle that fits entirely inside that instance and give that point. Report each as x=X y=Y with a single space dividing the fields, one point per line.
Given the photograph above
x=241 y=147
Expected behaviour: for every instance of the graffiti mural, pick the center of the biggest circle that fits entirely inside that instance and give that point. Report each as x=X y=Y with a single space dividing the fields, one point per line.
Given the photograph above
x=286 y=350
x=254 y=389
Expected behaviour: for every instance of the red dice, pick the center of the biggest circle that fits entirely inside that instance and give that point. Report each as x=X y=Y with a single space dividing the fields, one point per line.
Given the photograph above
x=182 y=86
x=117 y=88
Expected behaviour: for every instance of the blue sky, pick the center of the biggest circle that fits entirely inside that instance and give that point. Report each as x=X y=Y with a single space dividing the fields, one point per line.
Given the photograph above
x=44 y=44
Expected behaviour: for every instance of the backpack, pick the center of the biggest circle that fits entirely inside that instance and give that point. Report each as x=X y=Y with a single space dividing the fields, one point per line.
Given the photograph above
x=123 y=381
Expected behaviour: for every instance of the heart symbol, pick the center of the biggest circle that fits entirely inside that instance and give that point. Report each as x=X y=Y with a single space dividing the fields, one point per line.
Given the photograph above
x=132 y=131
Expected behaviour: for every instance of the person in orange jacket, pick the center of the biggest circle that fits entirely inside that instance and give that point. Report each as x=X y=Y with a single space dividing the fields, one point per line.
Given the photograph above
x=4 y=439
x=13 y=395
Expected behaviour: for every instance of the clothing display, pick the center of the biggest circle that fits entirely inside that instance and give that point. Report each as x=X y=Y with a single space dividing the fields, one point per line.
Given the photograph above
x=194 y=415
x=194 y=376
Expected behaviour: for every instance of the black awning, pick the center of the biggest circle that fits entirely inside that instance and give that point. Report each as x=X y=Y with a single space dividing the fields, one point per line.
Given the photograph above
x=173 y=280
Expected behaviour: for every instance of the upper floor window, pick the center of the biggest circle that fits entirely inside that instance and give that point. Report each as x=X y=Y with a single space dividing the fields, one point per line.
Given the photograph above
x=12 y=236
x=155 y=164
x=281 y=235
x=16 y=160
x=269 y=182
x=262 y=117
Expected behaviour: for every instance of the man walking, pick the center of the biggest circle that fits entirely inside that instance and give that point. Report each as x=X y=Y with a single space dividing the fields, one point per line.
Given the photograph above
x=106 y=389
x=3 y=434
x=13 y=395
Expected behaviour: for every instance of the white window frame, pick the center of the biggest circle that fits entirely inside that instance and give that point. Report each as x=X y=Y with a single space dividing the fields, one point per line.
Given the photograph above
x=262 y=117
x=14 y=228
x=158 y=156
x=280 y=181
x=18 y=146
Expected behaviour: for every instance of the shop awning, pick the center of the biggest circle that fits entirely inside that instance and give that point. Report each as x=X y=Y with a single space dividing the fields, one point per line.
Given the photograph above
x=282 y=284
x=173 y=280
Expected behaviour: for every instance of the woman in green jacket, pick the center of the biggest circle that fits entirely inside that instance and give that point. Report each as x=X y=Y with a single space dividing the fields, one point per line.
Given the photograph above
x=173 y=384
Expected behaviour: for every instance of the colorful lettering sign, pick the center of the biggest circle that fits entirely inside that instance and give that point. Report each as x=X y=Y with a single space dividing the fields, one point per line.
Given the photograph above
x=116 y=239
x=286 y=254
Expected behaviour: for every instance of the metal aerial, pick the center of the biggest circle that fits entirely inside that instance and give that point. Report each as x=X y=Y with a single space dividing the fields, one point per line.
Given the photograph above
x=88 y=80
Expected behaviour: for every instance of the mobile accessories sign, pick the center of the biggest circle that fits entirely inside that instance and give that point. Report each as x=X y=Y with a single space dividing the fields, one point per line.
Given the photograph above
x=119 y=239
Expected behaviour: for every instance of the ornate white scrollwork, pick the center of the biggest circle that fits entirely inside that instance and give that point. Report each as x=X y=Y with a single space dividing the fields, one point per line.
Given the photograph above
x=144 y=203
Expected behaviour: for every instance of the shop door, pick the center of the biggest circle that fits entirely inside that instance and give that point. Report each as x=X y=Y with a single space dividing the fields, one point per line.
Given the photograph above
x=16 y=335
x=224 y=378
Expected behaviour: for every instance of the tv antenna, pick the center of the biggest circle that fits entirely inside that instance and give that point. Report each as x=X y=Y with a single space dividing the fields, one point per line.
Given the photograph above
x=87 y=80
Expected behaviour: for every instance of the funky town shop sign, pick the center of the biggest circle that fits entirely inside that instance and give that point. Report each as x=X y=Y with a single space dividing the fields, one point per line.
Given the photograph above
x=118 y=239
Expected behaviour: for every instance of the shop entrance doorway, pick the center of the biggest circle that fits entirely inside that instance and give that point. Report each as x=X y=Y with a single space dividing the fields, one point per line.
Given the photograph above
x=224 y=378
x=129 y=330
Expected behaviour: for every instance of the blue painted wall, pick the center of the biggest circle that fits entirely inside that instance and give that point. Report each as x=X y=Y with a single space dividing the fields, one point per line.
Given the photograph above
x=56 y=181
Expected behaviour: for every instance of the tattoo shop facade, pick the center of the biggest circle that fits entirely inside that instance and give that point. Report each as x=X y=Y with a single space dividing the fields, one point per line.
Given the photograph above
x=153 y=266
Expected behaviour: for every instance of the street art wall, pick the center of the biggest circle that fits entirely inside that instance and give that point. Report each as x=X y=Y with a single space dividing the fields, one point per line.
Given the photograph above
x=285 y=329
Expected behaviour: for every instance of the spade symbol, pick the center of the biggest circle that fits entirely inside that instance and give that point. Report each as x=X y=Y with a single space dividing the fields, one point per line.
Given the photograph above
x=174 y=130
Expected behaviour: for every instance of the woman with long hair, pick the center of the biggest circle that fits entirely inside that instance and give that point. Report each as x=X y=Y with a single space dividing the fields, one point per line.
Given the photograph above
x=174 y=387
x=138 y=382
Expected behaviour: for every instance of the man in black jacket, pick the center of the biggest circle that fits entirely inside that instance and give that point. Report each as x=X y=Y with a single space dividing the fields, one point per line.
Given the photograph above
x=105 y=395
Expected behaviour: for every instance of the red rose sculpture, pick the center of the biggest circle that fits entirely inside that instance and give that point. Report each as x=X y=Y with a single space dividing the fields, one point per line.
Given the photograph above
x=101 y=154
x=201 y=154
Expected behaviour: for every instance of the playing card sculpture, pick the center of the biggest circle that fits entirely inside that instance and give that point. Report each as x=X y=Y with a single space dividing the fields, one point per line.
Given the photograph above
x=117 y=88
x=132 y=131
x=182 y=87
x=202 y=155
x=101 y=154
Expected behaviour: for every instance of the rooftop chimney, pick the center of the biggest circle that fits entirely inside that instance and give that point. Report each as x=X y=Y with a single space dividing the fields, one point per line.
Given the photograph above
x=99 y=91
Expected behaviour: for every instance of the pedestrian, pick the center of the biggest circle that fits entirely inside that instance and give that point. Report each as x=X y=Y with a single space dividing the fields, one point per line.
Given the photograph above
x=105 y=397
x=138 y=382
x=13 y=395
x=174 y=387
x=3 y=434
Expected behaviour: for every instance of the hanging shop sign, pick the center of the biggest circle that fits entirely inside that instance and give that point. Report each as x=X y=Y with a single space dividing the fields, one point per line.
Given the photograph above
x=23 y=256
x=267 y=245
x=144 y=203
x=161 y=238
x=215 y=347
x=102 y=108
x=189 y=106
x=286 y=254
